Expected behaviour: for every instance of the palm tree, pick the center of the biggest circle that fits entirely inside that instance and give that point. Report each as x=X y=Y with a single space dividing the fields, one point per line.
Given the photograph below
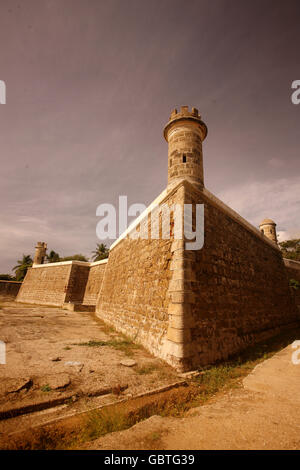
x=77 y=257
x=100 y=253
x=22 y=266
x=53 y=257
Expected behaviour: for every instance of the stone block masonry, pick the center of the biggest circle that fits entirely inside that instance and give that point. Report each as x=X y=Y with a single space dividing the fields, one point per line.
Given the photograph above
x=46 y=284
x=135 y=295
x=240 y=292
x=9 y=288
x=193 y=308
x=94 y=282
x=73 y=282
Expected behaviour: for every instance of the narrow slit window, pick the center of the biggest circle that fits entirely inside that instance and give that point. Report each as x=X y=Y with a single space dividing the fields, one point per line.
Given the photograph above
x=184 y=158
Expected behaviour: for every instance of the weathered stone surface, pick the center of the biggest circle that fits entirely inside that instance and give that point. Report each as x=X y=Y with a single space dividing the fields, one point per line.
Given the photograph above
x=9 y=288
x=45 y=285
x=135 y=291
x=94 y=282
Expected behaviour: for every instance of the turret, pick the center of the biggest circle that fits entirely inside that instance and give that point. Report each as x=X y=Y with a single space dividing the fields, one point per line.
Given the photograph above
x=268 y=228
x=40 y=253
x=185 y=133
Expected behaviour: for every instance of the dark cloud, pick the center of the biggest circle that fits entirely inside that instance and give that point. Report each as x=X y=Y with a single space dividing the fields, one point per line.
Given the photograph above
x=90 y=86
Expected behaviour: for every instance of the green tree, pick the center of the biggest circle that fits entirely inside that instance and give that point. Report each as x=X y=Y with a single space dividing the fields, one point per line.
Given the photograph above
x=22 y=267
x=7 y=277
x=294 y=284
x=100 y=253
x=291 y=249
x=53 y=257
x=78 y=257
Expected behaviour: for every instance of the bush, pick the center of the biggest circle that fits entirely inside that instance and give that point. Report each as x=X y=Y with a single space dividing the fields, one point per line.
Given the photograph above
x=294 y=284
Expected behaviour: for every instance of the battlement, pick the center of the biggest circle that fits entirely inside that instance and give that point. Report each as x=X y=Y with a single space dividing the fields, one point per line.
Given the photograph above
x=187 y=115
x=41 y=245
x=184 y=111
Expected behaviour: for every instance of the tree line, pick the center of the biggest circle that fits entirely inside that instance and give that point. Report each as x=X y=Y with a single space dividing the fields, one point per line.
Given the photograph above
x=101 y=252
x=290 y=250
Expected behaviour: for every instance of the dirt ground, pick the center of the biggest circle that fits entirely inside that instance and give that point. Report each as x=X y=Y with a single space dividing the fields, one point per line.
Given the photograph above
x=263 y=414
x=60 y=362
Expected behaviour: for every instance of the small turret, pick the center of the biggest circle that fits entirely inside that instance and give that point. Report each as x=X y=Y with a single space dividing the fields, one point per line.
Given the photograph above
x=268 y=228
x=185 y=133
x=40 y=253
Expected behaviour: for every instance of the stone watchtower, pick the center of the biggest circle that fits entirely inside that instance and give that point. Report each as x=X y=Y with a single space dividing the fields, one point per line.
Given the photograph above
x=40 y=253
x=185 y=133
x=268 y=228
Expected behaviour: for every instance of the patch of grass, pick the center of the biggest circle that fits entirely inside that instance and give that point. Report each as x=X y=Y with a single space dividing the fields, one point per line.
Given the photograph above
x=92 y=344
x=107 y=329
x=147 y=369
x=100 y=422
x=46 y=388
x=125 y=345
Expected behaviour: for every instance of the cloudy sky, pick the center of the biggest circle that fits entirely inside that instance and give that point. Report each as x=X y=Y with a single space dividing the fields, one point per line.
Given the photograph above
x=90 y=85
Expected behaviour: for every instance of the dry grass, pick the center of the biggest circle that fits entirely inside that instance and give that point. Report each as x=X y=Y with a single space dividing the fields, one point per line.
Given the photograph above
x=124 y=344
x=148 y=369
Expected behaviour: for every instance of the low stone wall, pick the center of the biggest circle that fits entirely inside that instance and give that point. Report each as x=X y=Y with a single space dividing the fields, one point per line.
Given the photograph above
x=94 y=282
x=292 y=268
x=9 y=288
x=77 y=283
x=46 y=284
x=74 y=282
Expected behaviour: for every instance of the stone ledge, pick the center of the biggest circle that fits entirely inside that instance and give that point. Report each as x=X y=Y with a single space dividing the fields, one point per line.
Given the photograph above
x=71 y=262
x=290 y=263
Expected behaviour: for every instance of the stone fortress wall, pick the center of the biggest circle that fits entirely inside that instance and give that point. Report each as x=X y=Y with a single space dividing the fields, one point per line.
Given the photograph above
x=240 y=291
x=9 y=288
x=190 y=308
x=94 y=282
x=67 y=282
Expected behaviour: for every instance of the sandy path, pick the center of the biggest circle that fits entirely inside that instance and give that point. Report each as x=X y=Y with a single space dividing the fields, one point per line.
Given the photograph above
x=263 y=414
